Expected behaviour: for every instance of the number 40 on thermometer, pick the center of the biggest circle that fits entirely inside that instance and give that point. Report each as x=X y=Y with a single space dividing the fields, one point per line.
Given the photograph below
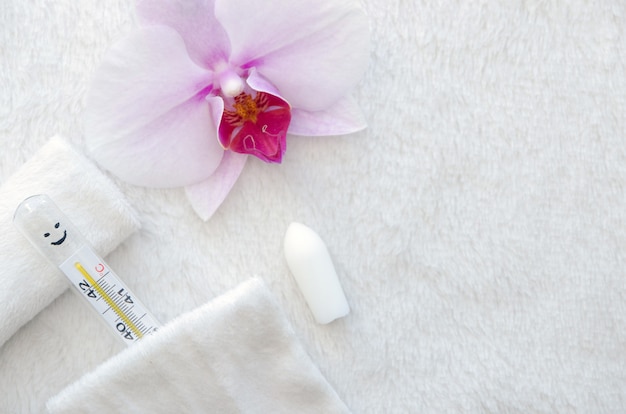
x=56 y=238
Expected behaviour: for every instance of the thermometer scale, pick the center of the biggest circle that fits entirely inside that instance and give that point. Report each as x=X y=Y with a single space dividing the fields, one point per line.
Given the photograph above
x=58 y=240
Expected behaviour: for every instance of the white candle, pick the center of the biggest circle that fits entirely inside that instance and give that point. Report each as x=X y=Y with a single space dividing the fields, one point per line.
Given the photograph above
x=314 y=272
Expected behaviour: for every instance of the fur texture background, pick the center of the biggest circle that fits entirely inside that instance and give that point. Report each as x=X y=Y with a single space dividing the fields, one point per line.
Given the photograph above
x=478 y=224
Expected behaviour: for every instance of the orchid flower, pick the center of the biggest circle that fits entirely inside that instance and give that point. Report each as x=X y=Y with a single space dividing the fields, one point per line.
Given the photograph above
x=200 y=85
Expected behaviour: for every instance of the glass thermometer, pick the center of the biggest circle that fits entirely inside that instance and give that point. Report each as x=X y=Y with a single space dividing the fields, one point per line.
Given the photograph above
x=58 y=240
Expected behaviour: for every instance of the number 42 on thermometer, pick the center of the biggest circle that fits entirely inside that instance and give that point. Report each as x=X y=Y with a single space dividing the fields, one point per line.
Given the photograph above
x=56 y=238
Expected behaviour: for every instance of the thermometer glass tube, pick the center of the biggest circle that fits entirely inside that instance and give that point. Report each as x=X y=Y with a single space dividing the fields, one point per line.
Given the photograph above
x=58 y=240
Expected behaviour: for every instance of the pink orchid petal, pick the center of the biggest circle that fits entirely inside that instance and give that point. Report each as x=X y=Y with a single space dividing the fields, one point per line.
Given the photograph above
x=260 y=84
x=206 y=40
x=146 y=118
x=216 y=107
x=344 y=117
x=205 y=197
x=312 y=51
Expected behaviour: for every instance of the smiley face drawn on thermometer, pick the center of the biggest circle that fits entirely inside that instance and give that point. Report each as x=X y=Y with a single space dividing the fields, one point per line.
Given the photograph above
x=59 y=241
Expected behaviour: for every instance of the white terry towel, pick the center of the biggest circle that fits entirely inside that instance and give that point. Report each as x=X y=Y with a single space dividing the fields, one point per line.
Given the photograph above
x=28 y=283
x=236 y=354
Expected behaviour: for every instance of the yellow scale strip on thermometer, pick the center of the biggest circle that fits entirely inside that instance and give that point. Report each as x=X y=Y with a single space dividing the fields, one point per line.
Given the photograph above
x=108 y=300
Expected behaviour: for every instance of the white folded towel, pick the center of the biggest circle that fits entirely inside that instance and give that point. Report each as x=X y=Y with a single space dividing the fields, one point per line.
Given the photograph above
x=236 y=354
x=28 y=283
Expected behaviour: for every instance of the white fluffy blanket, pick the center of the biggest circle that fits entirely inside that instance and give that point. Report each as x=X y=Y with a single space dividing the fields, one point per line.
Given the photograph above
x=478 y=225
x=236 y=354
